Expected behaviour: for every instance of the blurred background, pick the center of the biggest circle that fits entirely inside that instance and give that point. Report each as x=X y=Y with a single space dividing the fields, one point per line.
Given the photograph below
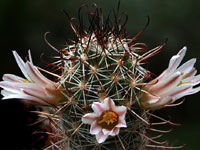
x=23 y=24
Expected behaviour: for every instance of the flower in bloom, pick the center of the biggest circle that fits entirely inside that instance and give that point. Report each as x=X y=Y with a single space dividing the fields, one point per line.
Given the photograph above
x=174 y=83
x=106 y=119
x=35 y=87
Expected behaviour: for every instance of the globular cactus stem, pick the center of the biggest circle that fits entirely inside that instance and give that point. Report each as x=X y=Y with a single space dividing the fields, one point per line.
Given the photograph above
x=103 y=63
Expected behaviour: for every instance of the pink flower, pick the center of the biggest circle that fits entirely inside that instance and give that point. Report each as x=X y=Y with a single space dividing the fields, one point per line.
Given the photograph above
x=174 y=83
x=35 y=87
x=106 y=119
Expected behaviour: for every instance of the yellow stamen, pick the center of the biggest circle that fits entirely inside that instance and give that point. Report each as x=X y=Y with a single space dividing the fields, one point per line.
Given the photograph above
x=109 y=118
x=181 y=83
x=183 y=76
x=26 y=81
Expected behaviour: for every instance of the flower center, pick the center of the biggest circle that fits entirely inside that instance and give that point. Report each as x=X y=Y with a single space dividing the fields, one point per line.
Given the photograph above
x=108 y=120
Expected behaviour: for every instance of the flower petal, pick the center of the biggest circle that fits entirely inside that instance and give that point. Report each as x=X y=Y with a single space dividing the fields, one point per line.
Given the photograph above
x=109 y=102
x=115 y=132
x=29 y=56
x=101 y=137
x=120 y=110
x=187 y=66
x=164 y=86
x=12 y=78
x=99 y=108
x=36 y=76
x=121 y=123
x=180 y=91
x=194 y=90
x=95 y=128
x=6 y=93
x=175 y=61
x=39 y=92
x=112 y=132
x=191 y=73
x=89 y=118
x=10 y=86
x=21 y=64
x=161 y=103
x=25 y=97
x=195 y=80
x=106 y=131
x=147 y=99
x=19 y=87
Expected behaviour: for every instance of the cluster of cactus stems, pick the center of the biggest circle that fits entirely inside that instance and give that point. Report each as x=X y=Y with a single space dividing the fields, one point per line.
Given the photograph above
x=103 y=70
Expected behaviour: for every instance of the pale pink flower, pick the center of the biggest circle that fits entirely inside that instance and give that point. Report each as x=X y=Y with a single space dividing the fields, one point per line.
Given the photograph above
x=174 y=83
x=106 y=119
x=35 y=87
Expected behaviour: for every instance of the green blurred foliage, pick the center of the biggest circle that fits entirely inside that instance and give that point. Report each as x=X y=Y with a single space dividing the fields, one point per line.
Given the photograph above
x=23 y=24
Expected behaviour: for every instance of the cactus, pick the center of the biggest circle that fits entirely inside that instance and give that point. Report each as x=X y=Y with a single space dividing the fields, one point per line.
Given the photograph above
x=102 y=98
x=103 y=63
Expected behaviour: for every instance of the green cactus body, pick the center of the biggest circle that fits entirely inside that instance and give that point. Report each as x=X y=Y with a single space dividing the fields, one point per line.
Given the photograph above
x=102 y=63
x=92 y=72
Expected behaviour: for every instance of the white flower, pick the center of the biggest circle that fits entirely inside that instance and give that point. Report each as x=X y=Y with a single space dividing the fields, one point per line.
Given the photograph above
x=35 y=87
x=174 y=83
x=106 y=119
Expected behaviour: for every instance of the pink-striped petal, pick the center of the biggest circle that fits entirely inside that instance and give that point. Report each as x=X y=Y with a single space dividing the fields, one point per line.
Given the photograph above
x=180 y=92
x=89 y=118
x=147 y=100
x=175 y=61
x=187 y=66
x=29 y=56
x=25 y=97
x=12 y=78
x=121 y=123
x=21 y=64
x=95 y=128
x=30 y=71
x=161 y=103
x=112 y=132
x=115 y=132
x=195 y=80
x=166 y=85
x=19 y=87
x=109 y=102
x=6 y=93
x=106 y=131
x=101 y=137
x=40 y=93
x=36 y=76
x=191 y=73
x=9 y=86
x=193 y=90
x=120 y=110
x=98 y=108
